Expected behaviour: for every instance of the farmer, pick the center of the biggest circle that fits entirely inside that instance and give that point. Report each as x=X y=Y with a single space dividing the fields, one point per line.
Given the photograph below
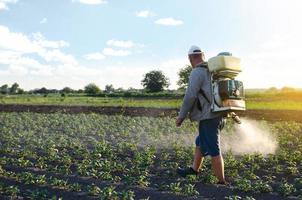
x=196 y=104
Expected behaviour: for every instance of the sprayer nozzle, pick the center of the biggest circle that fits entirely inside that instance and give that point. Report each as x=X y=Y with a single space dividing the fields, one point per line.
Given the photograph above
x=236 y=118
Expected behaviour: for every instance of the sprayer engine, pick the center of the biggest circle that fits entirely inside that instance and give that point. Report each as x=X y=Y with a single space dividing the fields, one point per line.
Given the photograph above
x=228 y=93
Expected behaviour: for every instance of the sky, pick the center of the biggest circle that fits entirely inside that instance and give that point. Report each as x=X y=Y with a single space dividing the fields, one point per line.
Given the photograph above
x=58 y=43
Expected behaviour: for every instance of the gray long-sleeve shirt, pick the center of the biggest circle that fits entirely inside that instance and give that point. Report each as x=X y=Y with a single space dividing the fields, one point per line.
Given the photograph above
x=200 y=79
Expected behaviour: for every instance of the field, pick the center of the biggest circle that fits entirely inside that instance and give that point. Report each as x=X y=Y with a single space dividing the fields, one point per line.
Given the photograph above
x=92 y=156
x=254 y=100
x=79 y=147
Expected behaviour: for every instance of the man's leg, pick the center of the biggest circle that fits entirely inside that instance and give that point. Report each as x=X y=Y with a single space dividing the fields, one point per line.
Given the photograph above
x=198 y=159
x=211 y=141
x=218 y=168
x=194 y=169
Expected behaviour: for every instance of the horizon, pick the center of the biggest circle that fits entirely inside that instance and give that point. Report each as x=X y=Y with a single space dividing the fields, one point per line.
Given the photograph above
x=72 y=43
x=103 y=88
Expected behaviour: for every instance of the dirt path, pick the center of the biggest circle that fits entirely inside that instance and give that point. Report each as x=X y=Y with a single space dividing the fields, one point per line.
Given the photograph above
x=270 y=115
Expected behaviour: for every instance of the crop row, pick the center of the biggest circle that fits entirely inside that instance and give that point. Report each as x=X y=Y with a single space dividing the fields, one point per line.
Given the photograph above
x=46 y=156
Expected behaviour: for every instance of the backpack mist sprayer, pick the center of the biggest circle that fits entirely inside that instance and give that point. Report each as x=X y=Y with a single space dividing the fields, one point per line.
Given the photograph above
x=228 y=93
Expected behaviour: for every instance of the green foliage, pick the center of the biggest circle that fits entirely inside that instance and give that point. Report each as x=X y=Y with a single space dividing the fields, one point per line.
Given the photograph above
x=14 y=88
x=190 y=190
x=109 y=88
x=93 y=189
x=164 y=99
x=175 y=187
x=155 y=81
x=92 y=89
x=107 y=156
x=4 y=89
x=11 y=191
x=285 y=188
x=244 y=185
x=67 y=90
x=262 y=187
x=38 y=194
x=184 y=74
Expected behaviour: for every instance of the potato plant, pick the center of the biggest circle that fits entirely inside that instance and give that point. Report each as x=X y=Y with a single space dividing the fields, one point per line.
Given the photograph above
x=91 y=156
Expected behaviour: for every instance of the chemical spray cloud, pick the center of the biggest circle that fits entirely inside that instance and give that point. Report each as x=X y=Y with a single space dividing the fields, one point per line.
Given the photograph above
x=249 y=137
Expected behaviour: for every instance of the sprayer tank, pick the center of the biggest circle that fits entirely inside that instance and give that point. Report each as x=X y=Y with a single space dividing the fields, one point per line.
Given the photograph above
x=225 y=65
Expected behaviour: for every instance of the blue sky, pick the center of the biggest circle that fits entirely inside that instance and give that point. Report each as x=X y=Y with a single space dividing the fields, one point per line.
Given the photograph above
x=71 y=43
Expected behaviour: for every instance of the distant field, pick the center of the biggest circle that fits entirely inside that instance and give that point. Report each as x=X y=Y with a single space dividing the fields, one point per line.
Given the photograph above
x=279 y=101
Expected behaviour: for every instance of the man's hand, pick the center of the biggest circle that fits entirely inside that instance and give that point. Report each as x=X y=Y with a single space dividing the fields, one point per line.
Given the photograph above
x=179 y=121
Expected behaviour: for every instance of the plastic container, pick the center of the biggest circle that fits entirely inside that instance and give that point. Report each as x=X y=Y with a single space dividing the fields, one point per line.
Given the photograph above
x=224 y=63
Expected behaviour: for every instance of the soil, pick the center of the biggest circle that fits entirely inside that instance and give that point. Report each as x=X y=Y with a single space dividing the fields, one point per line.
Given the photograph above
x=206 y=191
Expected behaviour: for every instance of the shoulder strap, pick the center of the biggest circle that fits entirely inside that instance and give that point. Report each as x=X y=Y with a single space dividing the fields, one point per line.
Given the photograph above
x=204 y=95
x=203 y=65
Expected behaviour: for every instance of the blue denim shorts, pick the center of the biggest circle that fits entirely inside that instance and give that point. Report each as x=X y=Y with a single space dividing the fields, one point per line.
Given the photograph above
x=208 y=139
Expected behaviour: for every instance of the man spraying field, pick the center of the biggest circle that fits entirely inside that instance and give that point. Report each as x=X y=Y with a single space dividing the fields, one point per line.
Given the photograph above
x=197 y=104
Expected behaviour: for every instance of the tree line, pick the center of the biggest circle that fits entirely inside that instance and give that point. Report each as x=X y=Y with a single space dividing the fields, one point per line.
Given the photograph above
x=153 y=82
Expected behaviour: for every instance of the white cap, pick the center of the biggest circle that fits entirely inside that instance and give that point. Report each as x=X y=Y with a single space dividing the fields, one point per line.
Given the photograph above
x=194 y=50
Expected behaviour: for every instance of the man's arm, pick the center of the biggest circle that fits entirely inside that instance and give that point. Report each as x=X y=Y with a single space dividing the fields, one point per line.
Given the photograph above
x=195 y=82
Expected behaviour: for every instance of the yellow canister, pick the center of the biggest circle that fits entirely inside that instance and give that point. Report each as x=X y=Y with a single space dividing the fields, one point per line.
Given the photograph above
x=224 y=63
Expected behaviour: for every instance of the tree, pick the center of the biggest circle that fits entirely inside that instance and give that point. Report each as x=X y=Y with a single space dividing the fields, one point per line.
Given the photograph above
x=92 y=89
x=109 y=88
x=20 y=91
x=287 y=89
x=4 y=89
x=43 y=90
x=80 y=91
x=155 y=81
x=120 y=89
x=131 y=89
x=184 y=74
x=67 y=90
x=14 y=88
x=272 y=90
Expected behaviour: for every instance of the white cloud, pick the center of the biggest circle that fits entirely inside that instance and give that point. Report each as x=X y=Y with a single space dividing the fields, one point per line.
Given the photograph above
x=20 y=44
x=44 y=20
x=46 y=72
x=144 y=13
x=38 y=62
x=18 y=70
x=17 y=42
x=4 y=3
x=23 y=44
x=120 y=43
x=169 y=22
x=2 y=6
x=94 y=56
x=7 y=56
x=113 y=52
x=41 y=41
x=20 y=65
x=91 y=2
x=58 y=56
x=20 y=55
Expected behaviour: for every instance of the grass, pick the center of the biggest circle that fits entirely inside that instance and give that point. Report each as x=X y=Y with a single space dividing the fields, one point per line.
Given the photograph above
x=261 y=101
